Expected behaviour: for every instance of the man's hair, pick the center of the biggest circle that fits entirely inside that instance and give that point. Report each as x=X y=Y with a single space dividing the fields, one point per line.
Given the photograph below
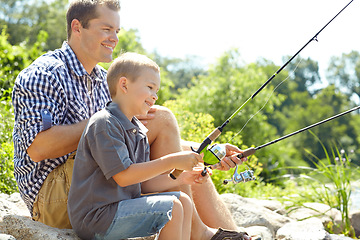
x=129 y=65
x=85 y=10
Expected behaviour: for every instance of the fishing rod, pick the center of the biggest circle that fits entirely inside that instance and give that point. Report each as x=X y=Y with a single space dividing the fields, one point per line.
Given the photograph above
x=217 y=131
x=217 y=152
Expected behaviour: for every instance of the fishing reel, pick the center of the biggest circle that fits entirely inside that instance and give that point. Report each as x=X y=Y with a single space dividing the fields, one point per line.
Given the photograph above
x=215 y=153
x=245 y=176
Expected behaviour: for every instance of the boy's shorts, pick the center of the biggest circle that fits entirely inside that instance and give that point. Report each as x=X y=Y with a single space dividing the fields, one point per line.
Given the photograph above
x=50 y=206
x=141 y=217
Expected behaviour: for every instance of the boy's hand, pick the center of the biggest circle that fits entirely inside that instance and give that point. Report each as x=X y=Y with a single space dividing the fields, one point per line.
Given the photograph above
x=185 y=160
x=194 y=176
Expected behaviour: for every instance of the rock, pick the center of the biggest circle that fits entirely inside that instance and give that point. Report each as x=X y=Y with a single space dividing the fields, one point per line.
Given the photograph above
x=262 y=232
x=355 y=222
x=272 y=205
x=6 y=237
x=318 y=210
x=264 y=219
x=24 y=228
x=309 y=229
x=339 y=237
x=247 y=213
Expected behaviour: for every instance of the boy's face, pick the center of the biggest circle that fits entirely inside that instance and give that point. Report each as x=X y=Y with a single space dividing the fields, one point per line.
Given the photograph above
x=142 y=92
x=99 y=39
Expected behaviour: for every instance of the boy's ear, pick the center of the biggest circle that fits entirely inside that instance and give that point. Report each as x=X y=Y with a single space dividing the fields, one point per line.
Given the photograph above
x=123 y=84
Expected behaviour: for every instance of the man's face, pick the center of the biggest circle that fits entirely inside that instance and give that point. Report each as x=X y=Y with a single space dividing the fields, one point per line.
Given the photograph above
x=99 y=39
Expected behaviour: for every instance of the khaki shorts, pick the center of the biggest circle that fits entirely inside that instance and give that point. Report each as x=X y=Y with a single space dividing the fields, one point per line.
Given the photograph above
x=50 y=206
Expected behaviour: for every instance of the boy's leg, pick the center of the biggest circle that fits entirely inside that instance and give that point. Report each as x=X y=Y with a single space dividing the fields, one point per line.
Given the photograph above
x=145 y=216
x=164 y=138
x=173 y=229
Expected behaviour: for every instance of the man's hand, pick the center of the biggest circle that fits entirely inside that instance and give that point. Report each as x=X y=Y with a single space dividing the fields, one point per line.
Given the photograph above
x=231 y=160
x=145 y=118
x=194 y=176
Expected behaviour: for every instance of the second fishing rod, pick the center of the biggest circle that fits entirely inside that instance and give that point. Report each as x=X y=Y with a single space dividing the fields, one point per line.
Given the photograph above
x=217 y=152
x=217 y=131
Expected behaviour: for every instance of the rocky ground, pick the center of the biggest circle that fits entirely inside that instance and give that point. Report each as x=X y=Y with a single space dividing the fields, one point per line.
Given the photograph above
x=264 y=218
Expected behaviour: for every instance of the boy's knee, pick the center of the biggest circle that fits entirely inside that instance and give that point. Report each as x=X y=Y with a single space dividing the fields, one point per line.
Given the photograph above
x=177 y=209
x=186 y=201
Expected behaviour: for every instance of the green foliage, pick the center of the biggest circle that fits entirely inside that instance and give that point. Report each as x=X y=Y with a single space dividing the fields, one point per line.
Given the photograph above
x=14 y=58
x=344 y=72
x=7 y=180
x=338 y=171
x=26 y=19
x=329 y=182
x=193 y=126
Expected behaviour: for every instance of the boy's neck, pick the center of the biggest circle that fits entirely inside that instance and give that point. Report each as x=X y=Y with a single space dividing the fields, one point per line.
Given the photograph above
x=121 y=103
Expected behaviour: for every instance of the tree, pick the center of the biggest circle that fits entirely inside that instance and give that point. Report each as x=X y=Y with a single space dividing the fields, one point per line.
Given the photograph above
x=14 y=58
x=344 y=73
x=224 y=89
x=326 y=103
x=24 y=18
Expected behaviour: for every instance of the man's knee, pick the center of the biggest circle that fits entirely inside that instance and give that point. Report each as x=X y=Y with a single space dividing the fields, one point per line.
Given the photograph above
x=164 y=124
x=165 y=117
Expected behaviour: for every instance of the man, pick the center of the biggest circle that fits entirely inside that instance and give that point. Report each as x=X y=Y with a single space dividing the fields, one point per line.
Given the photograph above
x=53 y=99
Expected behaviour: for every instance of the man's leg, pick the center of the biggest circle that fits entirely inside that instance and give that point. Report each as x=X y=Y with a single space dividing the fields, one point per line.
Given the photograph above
x=164 y=138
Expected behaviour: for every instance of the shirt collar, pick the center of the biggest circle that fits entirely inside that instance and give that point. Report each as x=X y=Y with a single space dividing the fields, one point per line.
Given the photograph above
x=75 y=65
x=129 y=126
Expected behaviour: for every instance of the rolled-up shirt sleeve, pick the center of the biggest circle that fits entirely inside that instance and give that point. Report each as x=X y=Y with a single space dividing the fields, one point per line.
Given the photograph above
x=38 y=104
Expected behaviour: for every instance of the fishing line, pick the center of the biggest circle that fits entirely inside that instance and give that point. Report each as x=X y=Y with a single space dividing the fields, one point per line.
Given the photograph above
x=219 y=151
x=270 y=95
x=217 y=131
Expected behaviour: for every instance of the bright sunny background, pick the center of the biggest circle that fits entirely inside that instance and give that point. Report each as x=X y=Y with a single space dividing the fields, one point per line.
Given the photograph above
x=259 y=28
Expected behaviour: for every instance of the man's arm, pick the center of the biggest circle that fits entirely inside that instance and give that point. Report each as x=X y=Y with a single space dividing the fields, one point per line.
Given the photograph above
x=56 y=141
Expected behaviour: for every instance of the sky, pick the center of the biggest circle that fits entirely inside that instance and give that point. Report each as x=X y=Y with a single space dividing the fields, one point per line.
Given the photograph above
x=268 y=29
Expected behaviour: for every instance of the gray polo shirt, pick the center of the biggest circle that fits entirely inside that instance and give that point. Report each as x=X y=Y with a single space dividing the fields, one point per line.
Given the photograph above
x=110 y=144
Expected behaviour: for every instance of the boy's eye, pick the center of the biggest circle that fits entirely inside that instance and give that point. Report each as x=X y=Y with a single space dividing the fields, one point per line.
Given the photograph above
x=150 y=87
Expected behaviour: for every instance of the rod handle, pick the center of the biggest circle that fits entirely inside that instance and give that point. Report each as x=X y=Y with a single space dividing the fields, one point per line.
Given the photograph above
x=245 y=153
x=175 y=173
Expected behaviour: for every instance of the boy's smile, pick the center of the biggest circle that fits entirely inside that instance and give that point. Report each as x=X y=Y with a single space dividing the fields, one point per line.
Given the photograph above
x=142 y=93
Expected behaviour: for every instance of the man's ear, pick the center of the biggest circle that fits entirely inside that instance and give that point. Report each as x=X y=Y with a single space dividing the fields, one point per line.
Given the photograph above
x=75 y=26
x=123 y=84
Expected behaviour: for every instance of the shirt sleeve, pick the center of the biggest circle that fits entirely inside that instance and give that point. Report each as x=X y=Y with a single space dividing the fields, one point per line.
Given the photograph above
x=38 y=102
x=109 y=150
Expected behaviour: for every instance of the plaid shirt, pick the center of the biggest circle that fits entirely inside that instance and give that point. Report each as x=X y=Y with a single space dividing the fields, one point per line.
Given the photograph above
x=54 y=90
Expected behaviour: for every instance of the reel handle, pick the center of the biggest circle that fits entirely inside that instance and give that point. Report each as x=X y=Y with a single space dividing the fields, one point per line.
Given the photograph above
x=211 y=137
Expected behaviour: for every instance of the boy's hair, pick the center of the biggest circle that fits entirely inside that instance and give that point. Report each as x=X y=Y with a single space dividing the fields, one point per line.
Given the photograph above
x=128 y=65
x=85 y=10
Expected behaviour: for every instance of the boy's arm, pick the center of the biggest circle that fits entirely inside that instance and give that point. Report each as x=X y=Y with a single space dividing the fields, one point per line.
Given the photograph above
x=140 y=172
x=163 y=182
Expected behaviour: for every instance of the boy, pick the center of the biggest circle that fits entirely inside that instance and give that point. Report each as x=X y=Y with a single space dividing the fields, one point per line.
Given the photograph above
x=112 y=168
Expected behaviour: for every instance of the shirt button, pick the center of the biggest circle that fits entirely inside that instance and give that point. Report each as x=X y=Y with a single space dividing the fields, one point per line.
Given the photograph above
x=134 y=130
